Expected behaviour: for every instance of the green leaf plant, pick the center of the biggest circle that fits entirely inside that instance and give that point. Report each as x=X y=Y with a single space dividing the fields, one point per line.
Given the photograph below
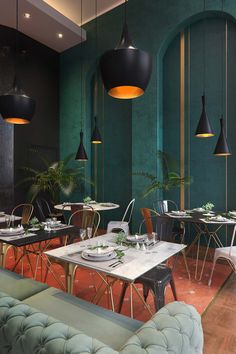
x=170 y=176
x=56 y=178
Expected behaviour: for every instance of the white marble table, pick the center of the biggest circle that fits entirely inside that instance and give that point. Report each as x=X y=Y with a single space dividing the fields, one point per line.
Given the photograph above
x=135 y=263
x=95 y=206
x=139 y=262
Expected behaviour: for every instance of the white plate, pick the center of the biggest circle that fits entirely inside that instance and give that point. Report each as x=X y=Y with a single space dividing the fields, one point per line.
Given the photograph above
x=34 y=229
x=200 y=210
x=107 y=205
x=12 y=232
x=136 y=238
x=179 y=212
x=98 y=259
x=2 y=213
x=102 y=252
x=233 y=213
x=217 y=218
x=210 y=213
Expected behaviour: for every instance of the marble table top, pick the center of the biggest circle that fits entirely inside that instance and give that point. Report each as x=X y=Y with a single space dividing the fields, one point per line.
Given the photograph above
x=138 y=261
x=95 y=206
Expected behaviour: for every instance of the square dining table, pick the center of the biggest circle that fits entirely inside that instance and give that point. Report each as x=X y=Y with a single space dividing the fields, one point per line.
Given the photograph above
x=134 y=263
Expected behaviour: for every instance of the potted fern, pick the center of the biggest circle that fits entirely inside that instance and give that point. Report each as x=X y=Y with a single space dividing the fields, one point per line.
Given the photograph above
x=57 y=178
x=170 y=176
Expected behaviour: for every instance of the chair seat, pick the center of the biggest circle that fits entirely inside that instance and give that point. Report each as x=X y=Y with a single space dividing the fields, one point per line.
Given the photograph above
x=224 y=253
x=122 y=225
x=156 y=275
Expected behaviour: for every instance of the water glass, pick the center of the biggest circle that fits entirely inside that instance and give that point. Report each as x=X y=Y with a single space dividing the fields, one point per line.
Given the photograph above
x=82 y=234
x=89 y=232
x=7 y=220
x=12 y=220
x=48 y=224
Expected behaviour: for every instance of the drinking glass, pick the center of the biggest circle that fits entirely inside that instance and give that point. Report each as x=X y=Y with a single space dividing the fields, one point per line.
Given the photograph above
x=48 y=224
x=89 y=232
x=7 y=220
x=12 y=220
x=82 y=234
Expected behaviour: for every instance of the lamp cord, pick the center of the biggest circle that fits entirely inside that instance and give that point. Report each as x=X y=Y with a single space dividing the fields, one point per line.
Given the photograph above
x=204 y=50
x=222 y=68
x=81 y=67
x=16 y=44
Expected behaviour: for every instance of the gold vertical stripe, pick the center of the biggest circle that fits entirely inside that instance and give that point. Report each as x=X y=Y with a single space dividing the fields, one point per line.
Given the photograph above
x=182 y=114
x=189 y=118
x=226 y=110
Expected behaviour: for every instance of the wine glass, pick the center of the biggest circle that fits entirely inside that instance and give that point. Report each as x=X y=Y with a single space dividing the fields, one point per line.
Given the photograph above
x=7 y=220
x=82 y=234
x=89 y=232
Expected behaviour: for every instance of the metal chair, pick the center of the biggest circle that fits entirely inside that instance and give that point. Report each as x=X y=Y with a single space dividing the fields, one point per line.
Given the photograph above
x=227 y=253
x=45 y=210
x=88 y=218
x=178 y=228
x=163 y=206
x=26 y=211
x=122 y=225
x=157 y=278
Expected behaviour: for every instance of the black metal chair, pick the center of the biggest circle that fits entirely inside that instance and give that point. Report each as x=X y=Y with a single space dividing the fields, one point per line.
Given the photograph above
x=45 y=210
x=159 y=277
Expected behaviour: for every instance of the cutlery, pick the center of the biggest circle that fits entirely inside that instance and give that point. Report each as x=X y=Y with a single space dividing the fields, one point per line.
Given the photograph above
x=118 y=263
x=114 y=263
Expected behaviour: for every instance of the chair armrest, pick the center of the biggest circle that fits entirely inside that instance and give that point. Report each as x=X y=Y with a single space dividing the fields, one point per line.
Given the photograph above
x=25 y=330
x=175 y=329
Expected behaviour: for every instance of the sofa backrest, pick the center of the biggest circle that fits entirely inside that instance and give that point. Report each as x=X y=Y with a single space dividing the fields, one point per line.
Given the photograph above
x=175 y=329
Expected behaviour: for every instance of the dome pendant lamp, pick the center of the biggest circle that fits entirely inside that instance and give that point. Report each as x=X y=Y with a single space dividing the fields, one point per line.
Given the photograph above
x=81 y=153
x=222 y=148
x=15 y=106
x=204 y=129
x=125 y=70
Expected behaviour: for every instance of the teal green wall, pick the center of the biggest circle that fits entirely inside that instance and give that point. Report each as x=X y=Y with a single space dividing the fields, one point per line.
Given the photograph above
x=133 y=130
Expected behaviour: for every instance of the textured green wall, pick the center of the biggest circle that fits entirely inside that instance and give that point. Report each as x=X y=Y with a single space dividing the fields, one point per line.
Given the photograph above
x=133 y=130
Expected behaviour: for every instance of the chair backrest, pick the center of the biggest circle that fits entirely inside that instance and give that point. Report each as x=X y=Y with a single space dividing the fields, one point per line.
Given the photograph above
x=25 y=211
x=232 y=241
x=162 y=225
x=84 y=218
x=163 y=206
x=43 y=208
x=147 y=216
x=129 y=210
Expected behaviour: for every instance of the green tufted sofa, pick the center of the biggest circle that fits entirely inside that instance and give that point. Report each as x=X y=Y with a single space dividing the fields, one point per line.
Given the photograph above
x=26 y=325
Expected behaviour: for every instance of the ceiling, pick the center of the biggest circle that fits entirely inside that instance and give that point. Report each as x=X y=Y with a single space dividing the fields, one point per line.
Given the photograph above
x=48 y=18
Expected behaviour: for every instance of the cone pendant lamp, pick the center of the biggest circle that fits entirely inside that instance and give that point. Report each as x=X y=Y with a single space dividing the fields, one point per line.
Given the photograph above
x=126 y=70
x=96 y=136
x=222 y=148
x=15 y=106
x=81 y=153
x=204 y=129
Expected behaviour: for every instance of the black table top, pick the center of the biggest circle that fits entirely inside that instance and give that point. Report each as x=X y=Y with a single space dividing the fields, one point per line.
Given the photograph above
x=42 y=235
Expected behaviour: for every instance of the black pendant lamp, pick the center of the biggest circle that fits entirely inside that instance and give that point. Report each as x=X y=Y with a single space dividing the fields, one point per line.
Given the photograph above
x=204 y=129
x=126 y=70
x=15 y=106
x=81 y=153
x=222 y=148
x=96 y=136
